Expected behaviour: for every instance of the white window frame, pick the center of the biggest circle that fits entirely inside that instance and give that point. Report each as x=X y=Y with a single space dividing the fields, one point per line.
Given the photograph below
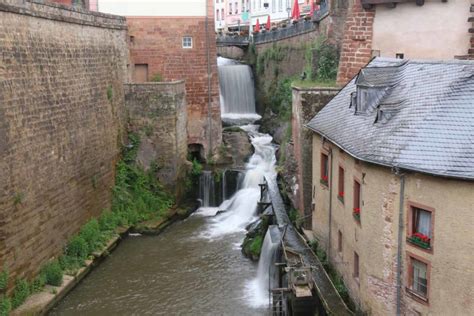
x=185 y=43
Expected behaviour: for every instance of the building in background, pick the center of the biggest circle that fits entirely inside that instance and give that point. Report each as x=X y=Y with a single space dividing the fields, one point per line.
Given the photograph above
x=405 y=29
x=219 y=15
x=175 y=40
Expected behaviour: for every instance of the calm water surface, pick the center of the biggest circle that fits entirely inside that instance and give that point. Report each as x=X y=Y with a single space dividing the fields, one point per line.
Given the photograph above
x=179 y=272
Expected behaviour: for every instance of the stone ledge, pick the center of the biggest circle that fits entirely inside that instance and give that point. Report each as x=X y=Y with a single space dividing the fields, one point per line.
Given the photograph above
x=61 y=13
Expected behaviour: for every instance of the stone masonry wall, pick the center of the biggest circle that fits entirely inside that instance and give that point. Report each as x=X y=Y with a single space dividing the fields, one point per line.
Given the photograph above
x=157 y=112
x=306 y=104
x=61 y=122
x=157 y=42
x=356 y=50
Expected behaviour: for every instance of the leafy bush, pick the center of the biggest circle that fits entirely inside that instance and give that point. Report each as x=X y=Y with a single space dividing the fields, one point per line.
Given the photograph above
x=3 y=279
x=53 y=274
x=5 y=306
x=77 y=248
x=20 y=293
x=197 y=168
x=91 y=233
x=38 y=283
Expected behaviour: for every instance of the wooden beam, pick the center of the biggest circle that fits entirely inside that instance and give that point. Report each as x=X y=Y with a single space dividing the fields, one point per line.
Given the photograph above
x=368 y=4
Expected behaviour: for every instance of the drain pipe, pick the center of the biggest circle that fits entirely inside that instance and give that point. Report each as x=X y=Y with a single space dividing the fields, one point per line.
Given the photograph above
x=400 y=239
x=208 y=48
x=330 y=204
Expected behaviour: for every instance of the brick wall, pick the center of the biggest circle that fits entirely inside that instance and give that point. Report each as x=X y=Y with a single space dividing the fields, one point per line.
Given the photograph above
x=157 y=112
x=60 y=133
x=157 y=42
x=356 y=49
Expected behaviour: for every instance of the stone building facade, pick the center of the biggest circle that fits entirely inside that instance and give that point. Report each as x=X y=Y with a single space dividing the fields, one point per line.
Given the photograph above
x=373 y=29
x=62 y=122
x=393 y=183
x=182 y=48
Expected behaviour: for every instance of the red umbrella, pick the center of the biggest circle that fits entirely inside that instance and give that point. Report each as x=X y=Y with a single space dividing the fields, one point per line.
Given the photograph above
x=295 y=14
x=257 y=27
x=311 y=13
x=269 y=25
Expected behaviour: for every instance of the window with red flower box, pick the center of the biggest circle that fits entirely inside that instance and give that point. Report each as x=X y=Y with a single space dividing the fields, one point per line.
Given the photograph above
x=420 y=226
x=324 y=169
x=357 y=199
x=340 y=194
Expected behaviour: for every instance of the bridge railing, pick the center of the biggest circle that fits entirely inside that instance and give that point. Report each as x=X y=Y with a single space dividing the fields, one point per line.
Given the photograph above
x=293 y=29
x=232 y=40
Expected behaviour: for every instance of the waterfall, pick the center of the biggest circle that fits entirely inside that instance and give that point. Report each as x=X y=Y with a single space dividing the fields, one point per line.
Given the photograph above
x=237 y=93
x=206 y=189
x=241 y=208
x=267 y=272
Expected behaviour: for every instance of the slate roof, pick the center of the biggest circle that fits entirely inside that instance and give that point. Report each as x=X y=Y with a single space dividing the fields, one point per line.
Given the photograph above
x=426 y=123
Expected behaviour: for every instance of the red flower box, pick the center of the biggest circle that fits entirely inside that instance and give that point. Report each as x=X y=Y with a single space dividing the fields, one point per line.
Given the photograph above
x=420 y=240
x=341 y=194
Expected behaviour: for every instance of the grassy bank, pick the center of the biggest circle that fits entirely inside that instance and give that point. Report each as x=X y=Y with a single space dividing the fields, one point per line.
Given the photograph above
x=137 y=197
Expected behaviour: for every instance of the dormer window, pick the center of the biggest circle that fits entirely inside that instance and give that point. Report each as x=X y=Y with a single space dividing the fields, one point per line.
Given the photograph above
x=367 y=99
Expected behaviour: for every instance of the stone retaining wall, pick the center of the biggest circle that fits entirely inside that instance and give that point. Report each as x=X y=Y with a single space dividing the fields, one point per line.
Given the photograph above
x=157 y=112
x=61 y=125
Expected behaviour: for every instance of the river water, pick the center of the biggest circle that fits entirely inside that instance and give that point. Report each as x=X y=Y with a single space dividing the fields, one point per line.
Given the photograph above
x=194 y=268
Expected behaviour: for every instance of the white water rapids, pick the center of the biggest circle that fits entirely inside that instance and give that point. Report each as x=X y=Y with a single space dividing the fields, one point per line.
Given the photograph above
x=241 y=209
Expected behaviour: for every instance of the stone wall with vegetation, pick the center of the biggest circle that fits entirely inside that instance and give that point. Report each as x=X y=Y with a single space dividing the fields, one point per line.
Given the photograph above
x=307 y=102
x=61 y=127
x=157 y=113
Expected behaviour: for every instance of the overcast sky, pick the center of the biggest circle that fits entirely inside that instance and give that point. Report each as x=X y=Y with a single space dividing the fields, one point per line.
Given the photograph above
x=154 y=7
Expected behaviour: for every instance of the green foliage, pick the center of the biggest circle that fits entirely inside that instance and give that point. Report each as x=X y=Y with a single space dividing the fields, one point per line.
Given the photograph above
x=92 y=235
x=38 y=283
x=3 y=279
x=20 y=293
x=53 y=273
x=276 y=53
x=327 y=63
x=5 y=306
x=281 y=98
x=18 y=198
x=110 y=93
x=157 y=78
x=196 y=170
x=70 y=264
x=77 y=248
x=129 y=153
x=256 y=246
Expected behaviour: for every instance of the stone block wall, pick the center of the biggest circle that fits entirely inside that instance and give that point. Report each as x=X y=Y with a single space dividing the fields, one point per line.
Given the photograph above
x=356 y=51
x=61 y=125
x=307 y=102
x=157 y=112
x=157 y=43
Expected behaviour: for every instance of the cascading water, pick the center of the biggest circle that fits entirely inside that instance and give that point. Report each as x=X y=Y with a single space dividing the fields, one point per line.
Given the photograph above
x=206 y=189
x=266 y=269
x=237 y=93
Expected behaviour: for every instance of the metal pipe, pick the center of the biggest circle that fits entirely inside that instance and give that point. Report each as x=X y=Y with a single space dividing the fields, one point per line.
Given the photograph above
x=400 y=239
x=330 y=204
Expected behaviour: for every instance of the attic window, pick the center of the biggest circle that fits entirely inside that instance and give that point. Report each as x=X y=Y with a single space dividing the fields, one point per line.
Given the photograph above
x=363 y=98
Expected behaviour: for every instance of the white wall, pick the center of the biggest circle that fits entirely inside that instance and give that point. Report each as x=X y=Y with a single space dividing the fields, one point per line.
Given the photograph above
x=436 y=30
x=154 y=7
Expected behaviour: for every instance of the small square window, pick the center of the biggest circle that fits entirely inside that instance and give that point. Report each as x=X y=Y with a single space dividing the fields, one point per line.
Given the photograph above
x=399 y=56
x=187 y=42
